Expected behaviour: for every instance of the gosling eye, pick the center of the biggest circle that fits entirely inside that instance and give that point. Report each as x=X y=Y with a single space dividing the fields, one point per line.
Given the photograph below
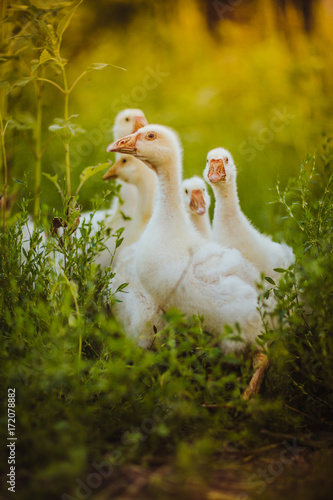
x=127 y=119
x=227 y=160
x=151 y=136
x=186 y=191
x=124 y=160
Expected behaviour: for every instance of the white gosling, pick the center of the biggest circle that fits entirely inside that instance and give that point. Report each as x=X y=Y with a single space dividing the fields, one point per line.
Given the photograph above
x=133 y=171
x=139 y=313
x=231 y=227
x=197 y=203
x=126 y=122
x=176 y=265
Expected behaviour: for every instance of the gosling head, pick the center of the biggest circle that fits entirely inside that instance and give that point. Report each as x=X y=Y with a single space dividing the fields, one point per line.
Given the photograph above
x=157 y=146
x=195 y=196
x=128 y=169
x=128 y=121
x=220 y=167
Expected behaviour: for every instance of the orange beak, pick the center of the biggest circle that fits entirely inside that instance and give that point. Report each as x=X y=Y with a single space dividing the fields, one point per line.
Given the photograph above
x=112 y=172
x=125 y=145
x=197 y=203
x=216 y=170
x=139 y=121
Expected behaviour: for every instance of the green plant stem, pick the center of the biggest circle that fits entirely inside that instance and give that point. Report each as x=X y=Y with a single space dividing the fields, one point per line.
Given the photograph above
x=321 y=206
x=52 y=83
x=38 y=149
x=78 y=188
x=66 y=116
x=3 y=131
x=77 y=81
x=3 y=36
x=80 y=347
x=3 y=13
x=77 y=314
x=67 y=156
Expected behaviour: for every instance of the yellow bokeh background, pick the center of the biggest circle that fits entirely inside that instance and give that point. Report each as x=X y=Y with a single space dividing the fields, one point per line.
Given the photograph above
x=257 y=84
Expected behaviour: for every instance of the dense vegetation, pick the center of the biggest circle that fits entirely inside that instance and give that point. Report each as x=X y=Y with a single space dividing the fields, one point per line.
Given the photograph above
x=85 y=393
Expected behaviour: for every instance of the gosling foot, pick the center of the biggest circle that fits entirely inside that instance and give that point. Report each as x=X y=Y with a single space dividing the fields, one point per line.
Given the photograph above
x=260 y=365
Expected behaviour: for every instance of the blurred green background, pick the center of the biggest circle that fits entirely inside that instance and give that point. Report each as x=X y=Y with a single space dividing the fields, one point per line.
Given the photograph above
x=253 y=76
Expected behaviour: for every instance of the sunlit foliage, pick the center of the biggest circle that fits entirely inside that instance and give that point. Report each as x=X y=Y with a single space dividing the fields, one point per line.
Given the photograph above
x=85 y=392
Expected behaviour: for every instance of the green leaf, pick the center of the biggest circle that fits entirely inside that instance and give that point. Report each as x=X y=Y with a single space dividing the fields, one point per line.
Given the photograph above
x=90 y=171
x=270 y=280
x=55 y=128
x=72 y=320
x=119 y=242
x=50 y=4
x=26 y=120
x=121 y=287
x=278 y=294
x=65 y=129
x=22 y=123
x=124 y=216
x=279 y=270
x=98 y=66
x=44 y=57
x=24 y=81
x=21 y=83
x=19 y=182
x=74 y=289
x=18 y=7
x=119 y=232
x=47 y=29
x=52 y=178
x=63 y=24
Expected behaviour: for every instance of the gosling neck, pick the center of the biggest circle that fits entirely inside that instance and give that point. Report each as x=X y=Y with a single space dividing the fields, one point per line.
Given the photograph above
x=146 y=184
x=226 y=200
x=169 y=205
x=201 y=223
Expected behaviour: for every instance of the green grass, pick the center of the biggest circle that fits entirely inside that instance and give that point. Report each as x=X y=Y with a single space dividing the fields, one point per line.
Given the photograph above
x=119 y=401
